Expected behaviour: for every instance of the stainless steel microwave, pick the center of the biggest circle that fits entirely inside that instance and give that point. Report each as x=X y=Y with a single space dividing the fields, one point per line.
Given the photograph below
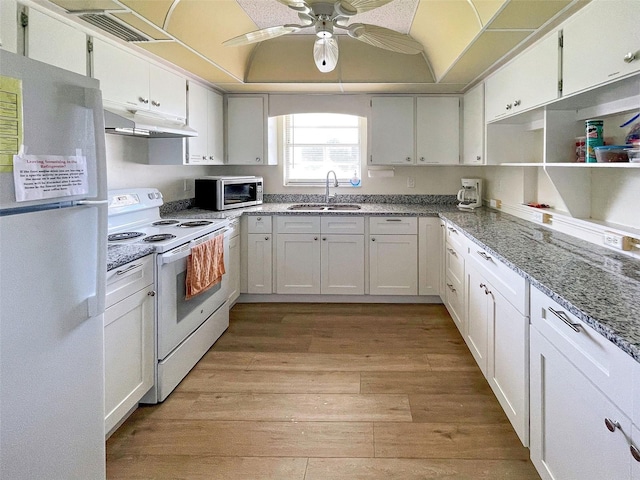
x=226 y=192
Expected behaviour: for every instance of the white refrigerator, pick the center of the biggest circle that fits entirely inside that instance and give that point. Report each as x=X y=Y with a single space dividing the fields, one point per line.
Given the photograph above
x=52 y=273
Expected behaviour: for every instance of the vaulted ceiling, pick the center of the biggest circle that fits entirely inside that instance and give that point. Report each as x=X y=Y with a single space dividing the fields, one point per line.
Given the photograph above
x=462 y=40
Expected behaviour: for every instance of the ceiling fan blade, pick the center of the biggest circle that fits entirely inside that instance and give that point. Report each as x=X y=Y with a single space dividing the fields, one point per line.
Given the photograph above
x=351 y=7
x=261 y=35
x=298 y=5
x=384 y=38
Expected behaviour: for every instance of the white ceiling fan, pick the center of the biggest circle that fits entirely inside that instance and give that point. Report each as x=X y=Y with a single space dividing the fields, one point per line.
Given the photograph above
x=325 y=16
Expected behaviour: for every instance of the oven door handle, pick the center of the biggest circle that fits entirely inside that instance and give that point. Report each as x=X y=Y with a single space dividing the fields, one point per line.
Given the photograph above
x=185 y=250
x=176 y=255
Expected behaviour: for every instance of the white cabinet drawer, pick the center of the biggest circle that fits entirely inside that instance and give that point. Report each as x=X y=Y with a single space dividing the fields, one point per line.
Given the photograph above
x=454 y=299
x=261 y=224
x=512 y=286
x=456 y=238
x=128 y=279
x=603 y=363
x=454 y=262
x=346 y=225
x=393 y=225
x=297 y=224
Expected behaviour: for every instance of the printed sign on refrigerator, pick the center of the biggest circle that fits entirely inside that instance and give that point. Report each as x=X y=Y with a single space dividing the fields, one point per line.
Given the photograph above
x=10 y=120
x=39 y=177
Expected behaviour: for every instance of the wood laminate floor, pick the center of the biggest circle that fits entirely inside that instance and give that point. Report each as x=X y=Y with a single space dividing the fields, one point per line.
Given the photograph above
x=327 y=392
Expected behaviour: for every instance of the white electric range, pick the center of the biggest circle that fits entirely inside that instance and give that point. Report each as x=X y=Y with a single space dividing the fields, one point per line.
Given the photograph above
x=185 y=329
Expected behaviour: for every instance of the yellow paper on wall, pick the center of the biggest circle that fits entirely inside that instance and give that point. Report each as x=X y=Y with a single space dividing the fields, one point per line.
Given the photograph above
x=10 y=121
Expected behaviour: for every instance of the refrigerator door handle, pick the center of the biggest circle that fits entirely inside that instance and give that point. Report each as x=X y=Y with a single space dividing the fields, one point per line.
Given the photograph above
x=92 y=202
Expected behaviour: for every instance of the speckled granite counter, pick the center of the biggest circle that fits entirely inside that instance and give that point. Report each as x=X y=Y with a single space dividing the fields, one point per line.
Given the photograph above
x=118 y=255
x=598 y=285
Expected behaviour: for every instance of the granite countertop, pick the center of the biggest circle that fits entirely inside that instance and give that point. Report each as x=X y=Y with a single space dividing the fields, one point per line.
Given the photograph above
x=118 y=255
x=598 y=285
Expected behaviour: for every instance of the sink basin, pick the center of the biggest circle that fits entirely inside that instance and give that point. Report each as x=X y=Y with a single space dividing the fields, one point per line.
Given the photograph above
x=343 y=206
x=306 y=206
x=323 y=207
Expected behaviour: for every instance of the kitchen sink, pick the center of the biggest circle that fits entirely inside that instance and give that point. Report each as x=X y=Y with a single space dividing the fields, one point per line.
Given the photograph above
x=320 y=207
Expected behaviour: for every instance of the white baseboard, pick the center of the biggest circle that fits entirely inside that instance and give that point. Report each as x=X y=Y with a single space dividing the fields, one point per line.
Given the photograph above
x=272 y=298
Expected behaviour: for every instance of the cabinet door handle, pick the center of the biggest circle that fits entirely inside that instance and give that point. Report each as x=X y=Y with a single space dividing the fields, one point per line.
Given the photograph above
x=324 y=239
x=373 y=239
x=258 y=160
x=259 y=219
x=629 y=57
x=453 y=230
x=612 y=425
x=315 y=238
x=128 y=269
x=517 y=103
x=154 y=103
x=393 y=220
x=143 y=100
x=266 y=238
x=509 y=106
x=152 y=293
x=483 y=255
x=563 y=316
x=452 y=252
x=478 y=158
x=635 y=453
x=422 y=159
x=408 y=159
x=451 y=287
x=486 y=290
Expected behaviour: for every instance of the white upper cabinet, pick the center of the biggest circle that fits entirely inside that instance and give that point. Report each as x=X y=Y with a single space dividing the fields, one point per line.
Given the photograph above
x=473 y=126
x=437 y=130
x=601 y=43
x=51 y=41
x=134 y=83
x=206 y=117
x=530 y=80
x=414 y=130
x=247 y=131
x=9 y=25
x=392 y=131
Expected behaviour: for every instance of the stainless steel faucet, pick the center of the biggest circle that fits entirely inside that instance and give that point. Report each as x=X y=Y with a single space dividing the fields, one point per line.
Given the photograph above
x=335 y=184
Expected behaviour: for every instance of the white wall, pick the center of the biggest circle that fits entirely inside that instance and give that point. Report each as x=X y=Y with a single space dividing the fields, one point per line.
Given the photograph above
x=127 y=167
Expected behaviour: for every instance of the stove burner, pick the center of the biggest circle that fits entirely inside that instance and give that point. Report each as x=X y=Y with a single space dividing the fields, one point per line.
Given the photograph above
x=195 y=223
x=158 y=238
x=123 y=236
x=165 y=222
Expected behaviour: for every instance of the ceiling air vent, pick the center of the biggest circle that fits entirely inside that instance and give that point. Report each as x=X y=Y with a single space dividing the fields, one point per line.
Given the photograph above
x=114 y=27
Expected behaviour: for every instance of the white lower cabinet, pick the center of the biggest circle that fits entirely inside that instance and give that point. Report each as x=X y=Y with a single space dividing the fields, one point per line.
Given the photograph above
x=129 y=335
x=429 y=256
x=298 y=263
x=233 y=265
x=259 y=263
x=393 y=255
x=327 y=257
x=570 y=438
x=342 y=264
x=497 y=335
x=634 y=452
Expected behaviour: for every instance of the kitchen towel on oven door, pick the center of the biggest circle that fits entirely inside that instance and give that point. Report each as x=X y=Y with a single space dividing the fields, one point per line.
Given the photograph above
x=205 y=266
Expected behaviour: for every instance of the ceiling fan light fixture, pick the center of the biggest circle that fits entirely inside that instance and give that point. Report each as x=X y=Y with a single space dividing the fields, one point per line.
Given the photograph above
x=324 y=28
x=325 y=54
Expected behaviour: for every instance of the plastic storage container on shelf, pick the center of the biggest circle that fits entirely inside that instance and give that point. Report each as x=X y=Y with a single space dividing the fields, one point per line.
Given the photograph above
x=634 y=155
x=612 y=153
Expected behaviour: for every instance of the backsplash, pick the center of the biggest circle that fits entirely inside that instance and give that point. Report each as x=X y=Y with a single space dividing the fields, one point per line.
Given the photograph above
x=402 y=199
x=178 y=205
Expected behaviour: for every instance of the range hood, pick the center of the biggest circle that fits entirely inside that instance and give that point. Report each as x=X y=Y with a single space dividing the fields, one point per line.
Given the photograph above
x=144 y=124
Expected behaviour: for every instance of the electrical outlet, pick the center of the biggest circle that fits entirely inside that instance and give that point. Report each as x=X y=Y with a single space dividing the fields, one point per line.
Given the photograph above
x=411 y=182
x=495 y=203
x=541 y=217
x=186 y=185
x=615 y=240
